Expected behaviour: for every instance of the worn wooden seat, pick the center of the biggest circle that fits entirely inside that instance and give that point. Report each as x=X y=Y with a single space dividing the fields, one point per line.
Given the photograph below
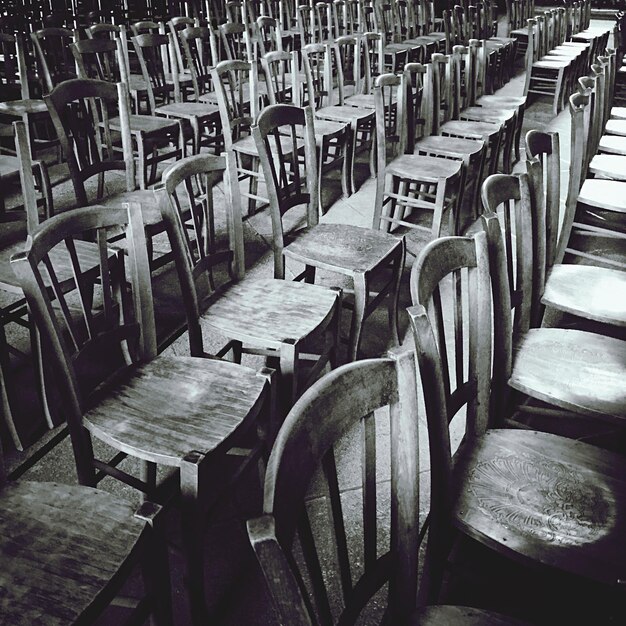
x=62 y=548
x=174 y=411
x=361 y=254
x=547 y=503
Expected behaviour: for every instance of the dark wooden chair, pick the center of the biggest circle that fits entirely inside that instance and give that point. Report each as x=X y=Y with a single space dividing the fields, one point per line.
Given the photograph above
x=287 y=322
x=362 y=254
x=177 y=412
x=307 y=584
x=547 y=503
x=56 y=63
x=66 y=551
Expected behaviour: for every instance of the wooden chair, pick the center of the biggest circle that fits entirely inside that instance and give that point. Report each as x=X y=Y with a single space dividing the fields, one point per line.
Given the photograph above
x=352 y=400
x=331 y=138
x=284 y=321
x=16 y=82
x=411 y=183
x=235 y=84
x=361 y=254
x=115 y=388
x=586 y=291
x=56 y=63
x=570 y=370
x=501 y=484
x=421 y=140
x=66 y=550
x=443 y=79
x=320 y=65
x=591 y=228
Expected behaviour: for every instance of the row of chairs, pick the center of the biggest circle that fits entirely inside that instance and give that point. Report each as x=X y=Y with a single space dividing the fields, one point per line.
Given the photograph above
x=389 y=382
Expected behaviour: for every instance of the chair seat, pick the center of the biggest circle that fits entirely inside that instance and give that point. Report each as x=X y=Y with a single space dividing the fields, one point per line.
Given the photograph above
x=363 y=100
x=424 y=168
x=504 y=101
x=599 y=292
x=444 y=615
x=148 y=199
x=550 y=64
x=449 y=145
x=327 y=127
x=146 y=415
x=520 y=32
x=60 y=546
x=545 y=499
x=342 y=248
x=616 y=127
x=189 y=110
x=466 y=128
x=247 y=145
x=271 y=312
x=345 y=114
x=609 y=165
x=576 y=370
x=18 y=108
x=613 y=144
x=604 y=194
x=9 y=166
x=618 y=113
x=145 y=124
x=487 y=114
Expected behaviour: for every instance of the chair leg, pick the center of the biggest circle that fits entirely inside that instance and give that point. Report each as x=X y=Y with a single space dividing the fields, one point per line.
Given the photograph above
x=141 y=158
x=155 y=567
x=394 y=294
x=288 y=376
x=351 y=155
x=192 y=527
x=360 y=298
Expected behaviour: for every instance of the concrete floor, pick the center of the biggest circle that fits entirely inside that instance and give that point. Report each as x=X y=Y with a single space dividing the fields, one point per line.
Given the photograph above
x=235 y=588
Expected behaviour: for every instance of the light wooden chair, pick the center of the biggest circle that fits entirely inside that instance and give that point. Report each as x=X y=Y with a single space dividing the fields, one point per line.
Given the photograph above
x=321 y=65
x=115 y=388
x=331 y=138
x=289 y=323
x=586 y=291
x=66 y=550
x=356 y=399
x=362 y=254
x=594 y=206
x=568 y=369
x=415 y=194
x=500 y=485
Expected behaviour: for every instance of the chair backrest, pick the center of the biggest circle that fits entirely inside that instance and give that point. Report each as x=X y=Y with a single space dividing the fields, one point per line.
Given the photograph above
x=175 y=26
x=544 y=171
x=144 y=27
x=268 y=35
x=154 y=52
x=187 y=209
x=13 y=69
x=53 y=53
x=102 y=31
x=451 y=322
x=509 y=197
x=81 y=110
x=349 y=399
x=390 y=100
x=418 y=112
x=323 y=20
x=236 y=41
x=88 y=336
x=101 y=59
x=281 y=77
x=290 y=181
x=200 y=50
x=316 y=62
x=306 y=24
x=347 y=55
x=235 y=85
x=373 y=59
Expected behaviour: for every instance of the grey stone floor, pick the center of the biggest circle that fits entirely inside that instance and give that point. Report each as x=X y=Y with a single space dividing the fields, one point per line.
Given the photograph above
x=235 y=588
